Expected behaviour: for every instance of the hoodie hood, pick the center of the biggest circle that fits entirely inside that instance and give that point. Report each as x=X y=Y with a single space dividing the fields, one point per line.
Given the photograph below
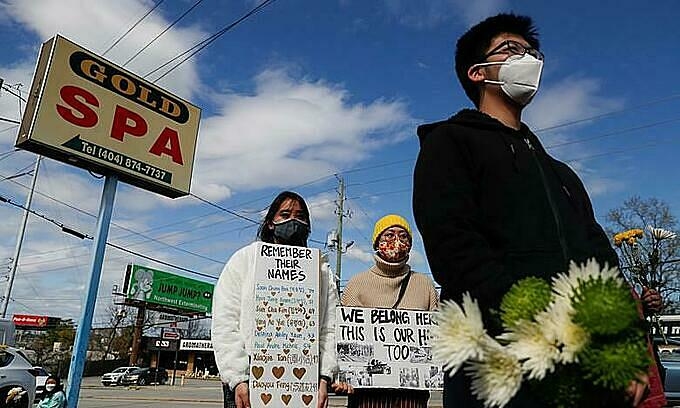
x=468 y=118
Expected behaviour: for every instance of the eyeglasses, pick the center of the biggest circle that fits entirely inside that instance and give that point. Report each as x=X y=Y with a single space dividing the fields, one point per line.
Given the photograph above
x=511 y=47
x=391 y=236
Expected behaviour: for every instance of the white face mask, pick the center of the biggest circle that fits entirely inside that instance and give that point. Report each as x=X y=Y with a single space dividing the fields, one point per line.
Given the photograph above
x=50 y=387
x=518 y=77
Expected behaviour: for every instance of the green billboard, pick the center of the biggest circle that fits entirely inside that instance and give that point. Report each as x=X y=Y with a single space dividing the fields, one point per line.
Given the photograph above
x=165 y=289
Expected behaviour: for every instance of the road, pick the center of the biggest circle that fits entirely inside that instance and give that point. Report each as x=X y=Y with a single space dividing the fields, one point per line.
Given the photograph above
x=197 y=393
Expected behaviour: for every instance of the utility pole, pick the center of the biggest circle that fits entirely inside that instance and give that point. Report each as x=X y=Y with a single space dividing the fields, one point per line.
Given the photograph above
x=137 y=334
x=341 y=213
x=20 y=240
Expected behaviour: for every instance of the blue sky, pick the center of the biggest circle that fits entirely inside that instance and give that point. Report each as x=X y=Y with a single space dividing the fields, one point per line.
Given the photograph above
x=307 y=89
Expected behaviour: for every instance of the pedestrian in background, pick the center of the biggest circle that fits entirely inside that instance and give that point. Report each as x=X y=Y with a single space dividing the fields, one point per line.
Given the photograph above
x=390 y=283
x=54 y=396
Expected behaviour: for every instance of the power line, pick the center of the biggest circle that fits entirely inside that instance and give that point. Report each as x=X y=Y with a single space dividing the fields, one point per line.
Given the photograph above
x=228 y=211
x=81 y=235
x=10 y=90
x=162 y=32
x=203 y=237
x=613 y=133
x=9 y=120
x=115 y=224
x=8 y=128
x=201 y=45
x=613 y=152
x=120 y=248
x=610 y=113
x=132 y=27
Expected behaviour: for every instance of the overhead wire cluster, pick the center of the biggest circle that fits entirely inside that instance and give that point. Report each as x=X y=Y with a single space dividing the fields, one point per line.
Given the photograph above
x=175 y=62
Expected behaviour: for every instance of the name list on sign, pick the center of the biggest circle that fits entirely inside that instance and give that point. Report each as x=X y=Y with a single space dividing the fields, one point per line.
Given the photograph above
x=285 y=358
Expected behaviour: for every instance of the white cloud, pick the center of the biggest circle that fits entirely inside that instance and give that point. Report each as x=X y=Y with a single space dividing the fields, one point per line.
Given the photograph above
x=287 y=130
x=360 y=253
x=434 y=12
x=571 y=98
x=96 y=27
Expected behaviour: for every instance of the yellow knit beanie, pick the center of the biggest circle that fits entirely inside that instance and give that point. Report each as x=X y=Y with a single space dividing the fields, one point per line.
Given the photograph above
x=388 y=221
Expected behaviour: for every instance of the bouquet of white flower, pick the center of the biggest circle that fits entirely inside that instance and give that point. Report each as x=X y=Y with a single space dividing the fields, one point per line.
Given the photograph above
x=577 y=340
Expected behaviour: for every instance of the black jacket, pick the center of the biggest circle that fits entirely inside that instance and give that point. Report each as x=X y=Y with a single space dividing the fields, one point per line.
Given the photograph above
x=493 y=207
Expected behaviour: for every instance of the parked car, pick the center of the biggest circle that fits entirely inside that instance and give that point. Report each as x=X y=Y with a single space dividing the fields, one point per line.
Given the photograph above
x=144 y=376
x=115 y=377
x=40 y=378
x=17 y=377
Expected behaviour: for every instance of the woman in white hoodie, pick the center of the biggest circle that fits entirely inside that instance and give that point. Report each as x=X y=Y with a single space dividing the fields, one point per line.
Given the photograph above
x=287 y=222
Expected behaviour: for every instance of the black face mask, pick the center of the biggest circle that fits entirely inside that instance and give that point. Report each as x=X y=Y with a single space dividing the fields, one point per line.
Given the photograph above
x=291 y=232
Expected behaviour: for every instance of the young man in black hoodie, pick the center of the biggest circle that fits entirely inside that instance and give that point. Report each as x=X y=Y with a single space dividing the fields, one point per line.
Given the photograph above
x=492 y=206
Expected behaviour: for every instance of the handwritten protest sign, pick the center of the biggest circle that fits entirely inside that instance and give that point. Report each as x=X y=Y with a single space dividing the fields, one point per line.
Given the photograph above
x=386 y=348
x=284 y=364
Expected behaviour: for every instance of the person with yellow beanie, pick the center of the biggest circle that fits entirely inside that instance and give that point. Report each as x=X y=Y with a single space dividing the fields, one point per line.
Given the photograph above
x=390 y=283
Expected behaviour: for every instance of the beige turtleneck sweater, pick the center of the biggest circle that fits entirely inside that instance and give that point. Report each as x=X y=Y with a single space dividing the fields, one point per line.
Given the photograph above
x=379 y=287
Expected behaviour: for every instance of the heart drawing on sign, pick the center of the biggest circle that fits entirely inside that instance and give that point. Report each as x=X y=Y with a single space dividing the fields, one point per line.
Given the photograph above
x=286 y=351
x=307 y=398
x=290 y=294
x=266 y=398
x=278 y=372
x=305 y=351
x=265 y=302
x=258 y=371
x=286 y=398
x=299 y=372
x=308 y=295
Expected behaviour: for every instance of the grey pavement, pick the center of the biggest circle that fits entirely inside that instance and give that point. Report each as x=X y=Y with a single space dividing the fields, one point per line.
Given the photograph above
x=199 y=393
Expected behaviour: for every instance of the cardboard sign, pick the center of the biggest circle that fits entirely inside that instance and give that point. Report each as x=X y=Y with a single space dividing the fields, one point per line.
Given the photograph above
x=284 y=364
x=386 y=348
x=86 y=111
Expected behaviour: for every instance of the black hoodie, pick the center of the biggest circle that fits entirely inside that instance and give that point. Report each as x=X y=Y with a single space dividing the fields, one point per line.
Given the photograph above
x=493 y=207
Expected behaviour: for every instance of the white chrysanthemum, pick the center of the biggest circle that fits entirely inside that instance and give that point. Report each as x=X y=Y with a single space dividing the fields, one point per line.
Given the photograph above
x=566 y=285
x=660 y=234
x=459 y=334
x=496 y=379
x=537 y=351
x=557 y=326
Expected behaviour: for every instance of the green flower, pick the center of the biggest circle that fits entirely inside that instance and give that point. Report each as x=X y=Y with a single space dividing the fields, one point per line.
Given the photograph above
x=561 y=389
x=604 y=307
x=524 y=300
x=613 y=365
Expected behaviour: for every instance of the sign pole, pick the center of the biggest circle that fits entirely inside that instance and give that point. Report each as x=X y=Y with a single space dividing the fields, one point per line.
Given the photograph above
x=83 y=333
x=174 y=365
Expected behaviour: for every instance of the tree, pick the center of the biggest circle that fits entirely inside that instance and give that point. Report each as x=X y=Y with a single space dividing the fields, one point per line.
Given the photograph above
x=43 y=344
x=197 y=329
x=117 y=318
x=644 y=213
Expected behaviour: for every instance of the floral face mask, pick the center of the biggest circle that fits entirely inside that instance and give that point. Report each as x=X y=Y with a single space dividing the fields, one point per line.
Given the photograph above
x=393 y=248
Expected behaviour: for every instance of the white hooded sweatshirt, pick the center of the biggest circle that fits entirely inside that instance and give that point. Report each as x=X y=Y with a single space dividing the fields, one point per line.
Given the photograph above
x=233 y=317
